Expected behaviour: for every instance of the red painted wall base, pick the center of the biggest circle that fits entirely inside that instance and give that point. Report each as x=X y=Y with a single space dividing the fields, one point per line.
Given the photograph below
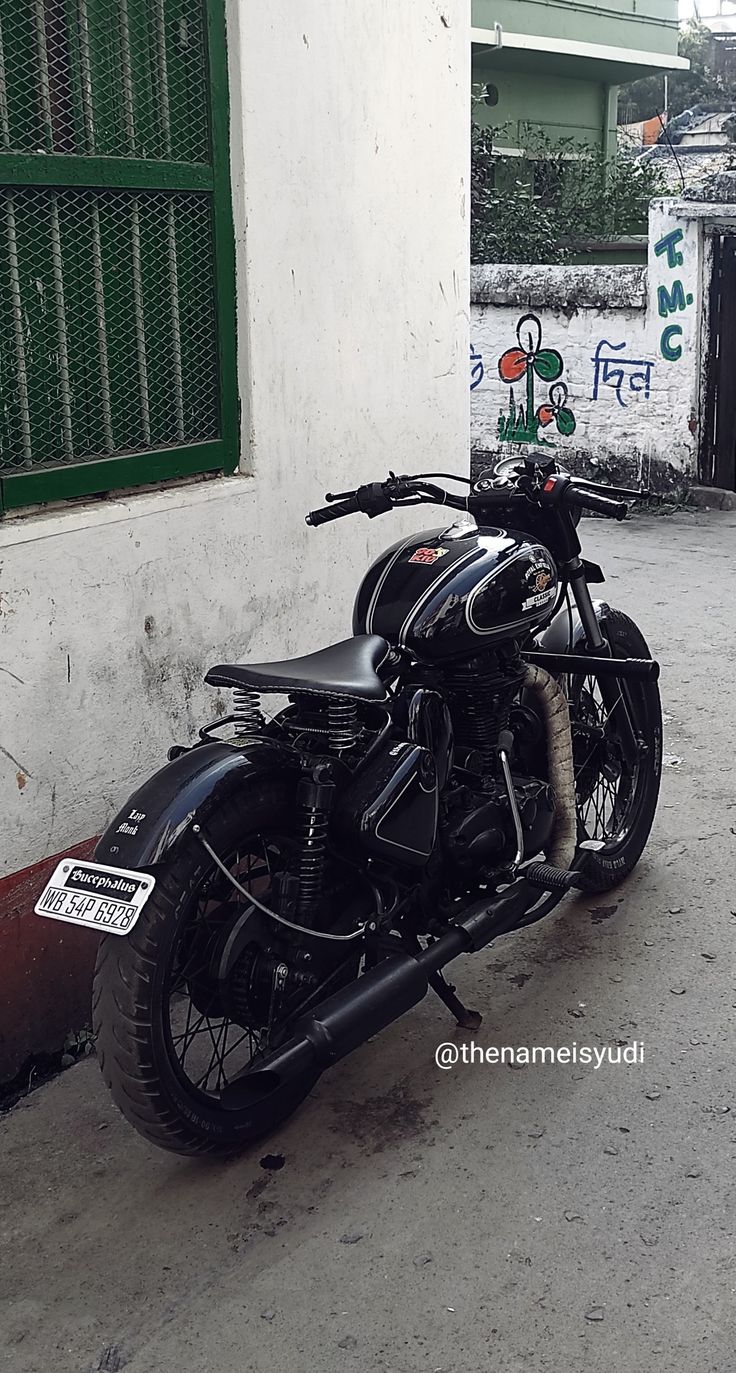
x=45 y=969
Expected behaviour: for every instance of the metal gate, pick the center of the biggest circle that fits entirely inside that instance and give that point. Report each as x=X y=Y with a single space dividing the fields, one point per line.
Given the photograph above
x=717 y=458
x=117 y=327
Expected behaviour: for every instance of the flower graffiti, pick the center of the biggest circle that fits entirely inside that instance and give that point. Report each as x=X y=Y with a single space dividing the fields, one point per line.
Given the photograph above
x=530 y=356
x=556 y=409
x=527 y=362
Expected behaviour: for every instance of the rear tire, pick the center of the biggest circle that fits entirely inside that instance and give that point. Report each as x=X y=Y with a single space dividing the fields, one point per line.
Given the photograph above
x=625 y=829
x=134 y=990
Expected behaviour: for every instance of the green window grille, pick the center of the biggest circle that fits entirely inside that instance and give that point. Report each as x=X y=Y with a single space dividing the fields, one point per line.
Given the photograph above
x=117 y=314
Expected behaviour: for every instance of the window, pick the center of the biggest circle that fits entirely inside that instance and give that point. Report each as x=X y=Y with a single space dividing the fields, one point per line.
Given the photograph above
x=117 y=327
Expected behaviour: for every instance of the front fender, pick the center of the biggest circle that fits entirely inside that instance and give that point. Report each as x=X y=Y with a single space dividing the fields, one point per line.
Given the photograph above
x=190 y=788
x=565 y=632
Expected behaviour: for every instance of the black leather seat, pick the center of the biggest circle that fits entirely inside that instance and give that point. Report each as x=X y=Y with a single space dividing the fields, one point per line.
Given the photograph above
x=346 y=669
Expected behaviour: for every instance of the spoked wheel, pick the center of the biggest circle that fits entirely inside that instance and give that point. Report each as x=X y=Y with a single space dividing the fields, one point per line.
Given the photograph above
x=616 y=800
x=206 y=984
x=222 y=1005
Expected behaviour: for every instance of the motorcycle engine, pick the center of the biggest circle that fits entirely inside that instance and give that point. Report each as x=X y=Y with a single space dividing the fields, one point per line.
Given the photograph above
x=478 y=831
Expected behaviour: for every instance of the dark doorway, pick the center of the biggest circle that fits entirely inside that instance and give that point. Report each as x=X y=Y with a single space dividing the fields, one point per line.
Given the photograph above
x=717 y=460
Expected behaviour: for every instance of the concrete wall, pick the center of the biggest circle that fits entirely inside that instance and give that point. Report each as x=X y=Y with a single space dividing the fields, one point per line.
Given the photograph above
x=650 y=26
x=350 y=162
x=560 y=63
x=553 y=105
x=622 y=353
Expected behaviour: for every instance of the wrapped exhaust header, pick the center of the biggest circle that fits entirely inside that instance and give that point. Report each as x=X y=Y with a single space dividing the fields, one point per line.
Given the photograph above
x=553 y=703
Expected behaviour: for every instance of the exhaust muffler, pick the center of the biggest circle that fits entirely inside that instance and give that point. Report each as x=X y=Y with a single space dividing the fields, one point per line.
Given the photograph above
x=345 y=1020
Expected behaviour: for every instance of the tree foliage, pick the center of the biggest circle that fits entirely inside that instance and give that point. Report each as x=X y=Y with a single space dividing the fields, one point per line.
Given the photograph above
x=531 y=209
x=708 y=82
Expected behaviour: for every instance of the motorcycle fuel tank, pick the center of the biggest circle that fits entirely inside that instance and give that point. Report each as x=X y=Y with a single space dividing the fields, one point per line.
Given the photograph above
x=448 y=593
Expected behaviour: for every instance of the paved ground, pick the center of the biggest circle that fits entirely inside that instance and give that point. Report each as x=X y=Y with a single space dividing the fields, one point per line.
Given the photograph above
x=541 y=1219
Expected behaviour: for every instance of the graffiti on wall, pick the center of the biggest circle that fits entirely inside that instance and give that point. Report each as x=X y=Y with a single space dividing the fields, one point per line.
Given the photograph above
x=673 y=298
x=625 y=375
x=477 y=370
x=530 y=363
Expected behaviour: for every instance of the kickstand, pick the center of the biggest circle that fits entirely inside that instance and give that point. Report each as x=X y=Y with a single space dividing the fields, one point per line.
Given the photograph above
x=467 y=1020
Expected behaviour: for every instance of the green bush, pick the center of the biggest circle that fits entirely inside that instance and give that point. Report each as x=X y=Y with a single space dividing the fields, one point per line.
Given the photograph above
x=527 y=209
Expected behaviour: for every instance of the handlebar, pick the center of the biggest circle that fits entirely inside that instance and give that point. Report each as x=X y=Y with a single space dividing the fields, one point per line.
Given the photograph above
x=333 y=512
x=558 y=490
x=378 y=497
x=561 y=490
x=599 y=505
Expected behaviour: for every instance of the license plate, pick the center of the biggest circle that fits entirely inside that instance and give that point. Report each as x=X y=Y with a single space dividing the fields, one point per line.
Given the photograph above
x=93 y=895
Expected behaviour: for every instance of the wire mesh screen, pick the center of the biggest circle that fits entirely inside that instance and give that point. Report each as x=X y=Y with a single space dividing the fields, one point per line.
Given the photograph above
x=107 y=331
x=113 y=78
x=116 y=302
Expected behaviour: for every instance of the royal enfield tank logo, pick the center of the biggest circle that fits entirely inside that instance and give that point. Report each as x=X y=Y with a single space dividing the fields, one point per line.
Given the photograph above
x=427 y=555
x=538 y=578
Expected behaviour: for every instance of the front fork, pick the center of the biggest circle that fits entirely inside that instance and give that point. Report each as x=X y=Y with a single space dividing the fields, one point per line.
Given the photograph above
x=615 y=691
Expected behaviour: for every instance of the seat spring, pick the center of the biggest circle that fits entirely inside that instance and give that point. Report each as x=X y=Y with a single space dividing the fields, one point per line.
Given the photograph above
x=342 y=719
x=246 y=708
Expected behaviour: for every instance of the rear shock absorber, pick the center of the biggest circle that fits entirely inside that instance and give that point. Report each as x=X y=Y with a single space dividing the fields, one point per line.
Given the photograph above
x=314 y=798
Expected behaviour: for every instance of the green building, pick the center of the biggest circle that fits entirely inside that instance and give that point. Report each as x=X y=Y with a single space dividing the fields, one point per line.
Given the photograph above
x=556 y=65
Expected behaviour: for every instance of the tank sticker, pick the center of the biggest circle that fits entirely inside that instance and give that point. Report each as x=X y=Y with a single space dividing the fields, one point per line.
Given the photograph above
x=427 y=555
x=382 y=579
x=535 y=602
x=538 y=578
x=539 y=598
x=541 y=578
x=435 y=585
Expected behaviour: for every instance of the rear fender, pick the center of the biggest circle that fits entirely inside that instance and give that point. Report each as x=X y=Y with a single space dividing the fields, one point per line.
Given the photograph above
x=187 y=791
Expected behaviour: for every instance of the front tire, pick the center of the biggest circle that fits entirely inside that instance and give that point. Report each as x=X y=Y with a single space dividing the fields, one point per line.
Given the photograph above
x=616 y=804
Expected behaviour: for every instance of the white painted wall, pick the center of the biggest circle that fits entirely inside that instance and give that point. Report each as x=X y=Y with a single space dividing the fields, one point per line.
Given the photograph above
x=350 y=158
x=627 y=424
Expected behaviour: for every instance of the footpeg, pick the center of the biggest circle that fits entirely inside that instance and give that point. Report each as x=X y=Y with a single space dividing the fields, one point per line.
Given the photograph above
x=549 y=878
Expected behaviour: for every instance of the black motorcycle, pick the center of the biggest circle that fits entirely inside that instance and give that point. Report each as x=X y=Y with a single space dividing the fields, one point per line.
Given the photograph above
x=488 y=740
